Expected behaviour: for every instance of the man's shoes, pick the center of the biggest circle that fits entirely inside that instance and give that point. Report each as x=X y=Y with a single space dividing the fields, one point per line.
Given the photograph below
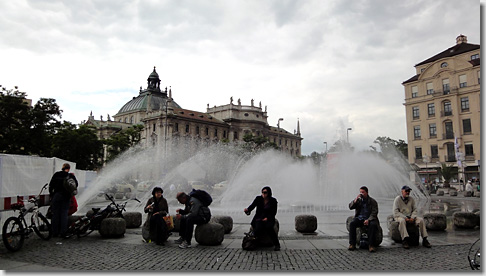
x=372 y=248
x=277 y=248
x=426 y=243
x=405 y=243
x=184 y=245
x=352 y=247
x=179 y=240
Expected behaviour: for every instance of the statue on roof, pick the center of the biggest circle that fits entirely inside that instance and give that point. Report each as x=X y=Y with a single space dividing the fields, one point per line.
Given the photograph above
x=231 y=100
x=239 y=101
x=251 y=102
x=260 y=104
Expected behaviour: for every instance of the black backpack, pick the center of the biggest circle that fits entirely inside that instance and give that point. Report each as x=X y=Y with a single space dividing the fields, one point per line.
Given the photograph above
x=70 y=186
x=203 y=196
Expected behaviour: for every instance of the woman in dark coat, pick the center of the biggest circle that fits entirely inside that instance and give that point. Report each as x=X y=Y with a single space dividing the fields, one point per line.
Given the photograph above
x=157 y=208
x=264 y=219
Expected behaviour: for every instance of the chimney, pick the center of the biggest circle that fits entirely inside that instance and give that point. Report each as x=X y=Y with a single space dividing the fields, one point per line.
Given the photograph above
x=461 y=39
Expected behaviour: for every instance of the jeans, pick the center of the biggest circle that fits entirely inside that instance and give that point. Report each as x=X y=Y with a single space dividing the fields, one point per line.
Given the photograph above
x=59 y=207
x=158 y=228
x=372 y=230
x=187 y=226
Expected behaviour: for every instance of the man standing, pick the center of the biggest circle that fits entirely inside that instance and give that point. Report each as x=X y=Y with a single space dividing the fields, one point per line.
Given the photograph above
x=404 y=211
x=366 y=214
x=194 y=213
x=60 y=200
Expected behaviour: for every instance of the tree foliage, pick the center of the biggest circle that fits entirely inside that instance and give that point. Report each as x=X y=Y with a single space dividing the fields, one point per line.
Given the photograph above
x=257 y=143
x=122 y=141
x=389 y=146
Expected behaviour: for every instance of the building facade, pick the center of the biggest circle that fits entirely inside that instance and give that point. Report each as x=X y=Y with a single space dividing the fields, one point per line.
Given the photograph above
x=443 y=109
x=166 y=123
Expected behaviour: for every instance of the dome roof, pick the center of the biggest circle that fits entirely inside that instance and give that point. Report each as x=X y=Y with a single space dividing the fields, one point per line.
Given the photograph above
x=154 y=75
x=155 y=101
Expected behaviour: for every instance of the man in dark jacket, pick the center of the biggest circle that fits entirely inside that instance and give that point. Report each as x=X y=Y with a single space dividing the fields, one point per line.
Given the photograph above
x=194 y=213
x=60 y=200
x=366 y=214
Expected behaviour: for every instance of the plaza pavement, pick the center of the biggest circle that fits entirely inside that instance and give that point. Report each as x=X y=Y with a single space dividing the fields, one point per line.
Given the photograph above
x=325 y=250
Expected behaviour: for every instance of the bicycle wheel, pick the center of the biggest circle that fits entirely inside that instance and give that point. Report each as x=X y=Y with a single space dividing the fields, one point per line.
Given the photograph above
x=13 y=234
x=41 y=226
x=84 y=229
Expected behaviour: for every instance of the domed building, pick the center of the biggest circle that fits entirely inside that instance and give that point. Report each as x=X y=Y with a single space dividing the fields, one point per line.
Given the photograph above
x=163 y=117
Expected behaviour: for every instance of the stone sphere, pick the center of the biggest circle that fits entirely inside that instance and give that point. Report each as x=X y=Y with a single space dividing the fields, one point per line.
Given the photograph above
x=209 y=234
x=226 y=221
x=467 y=194
x=440 y=193
x=467 y=220
x=112 y=227
x=305 y=223
x=379 y=234
x=452 y=193
x=133 y=219
x=436 y=222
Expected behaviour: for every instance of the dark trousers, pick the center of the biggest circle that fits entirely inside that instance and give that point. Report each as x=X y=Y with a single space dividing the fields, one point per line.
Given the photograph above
x=59 y=208
x=187 y=226
x=262 y=227
x=372 y=230
x=158 y=229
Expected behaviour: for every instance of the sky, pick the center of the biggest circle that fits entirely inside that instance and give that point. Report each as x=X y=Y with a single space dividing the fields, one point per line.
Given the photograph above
x=330 y=64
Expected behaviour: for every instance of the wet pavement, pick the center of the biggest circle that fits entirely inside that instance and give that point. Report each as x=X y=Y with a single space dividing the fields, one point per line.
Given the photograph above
x=324 y=250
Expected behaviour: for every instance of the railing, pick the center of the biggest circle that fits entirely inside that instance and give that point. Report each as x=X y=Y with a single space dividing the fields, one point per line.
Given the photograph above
x=445 y=113
x=450 y=158
x=448 y=135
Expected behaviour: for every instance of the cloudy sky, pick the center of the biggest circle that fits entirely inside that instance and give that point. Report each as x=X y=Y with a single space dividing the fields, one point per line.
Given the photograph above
x=332 y=64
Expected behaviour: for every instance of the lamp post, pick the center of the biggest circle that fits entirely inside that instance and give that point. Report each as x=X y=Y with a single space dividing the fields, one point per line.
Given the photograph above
x=325 y=143
x=278 y=132
x=347 y=133
x=426 y=159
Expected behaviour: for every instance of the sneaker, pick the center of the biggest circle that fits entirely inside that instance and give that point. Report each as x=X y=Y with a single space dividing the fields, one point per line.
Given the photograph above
x=352 y=247
x=372 y=248
x=146 y=240
x=405 y=244
x=426 y=243
x=184 y=244
x=179 y=240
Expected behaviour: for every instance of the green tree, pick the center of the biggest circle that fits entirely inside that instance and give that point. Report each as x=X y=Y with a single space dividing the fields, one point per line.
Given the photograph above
x=123 y=140
x=389 y=146
x=80 y=145
x=257 y=143
x=43 y=124
x=447 y=173
x=14 y=122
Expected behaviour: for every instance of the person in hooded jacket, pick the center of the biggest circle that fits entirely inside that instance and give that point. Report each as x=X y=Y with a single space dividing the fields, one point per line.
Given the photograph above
x=264 y=219
x=157 y=208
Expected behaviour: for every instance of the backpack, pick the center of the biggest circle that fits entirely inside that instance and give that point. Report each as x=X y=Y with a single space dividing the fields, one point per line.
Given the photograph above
x=69 y=185
x=203 y=196
x=249 y=243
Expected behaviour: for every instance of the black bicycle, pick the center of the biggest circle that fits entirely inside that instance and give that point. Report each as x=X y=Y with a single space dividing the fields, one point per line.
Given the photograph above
x=15 y=229
x=474 y=255
x=92 y=221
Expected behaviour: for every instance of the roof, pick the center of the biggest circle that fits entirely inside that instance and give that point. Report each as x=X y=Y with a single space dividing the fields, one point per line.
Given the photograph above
x=452 y=51
x=414 y=78
x=142 y=102
x=195 y=115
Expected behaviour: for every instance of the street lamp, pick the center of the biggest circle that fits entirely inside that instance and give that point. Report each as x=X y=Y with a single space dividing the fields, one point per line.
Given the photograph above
x=278 y=131
x=426 y=160
x=347 y=133
x=325 y=143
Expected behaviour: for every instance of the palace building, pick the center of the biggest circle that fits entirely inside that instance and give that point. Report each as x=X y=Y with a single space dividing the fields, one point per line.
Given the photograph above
x=164 y=120
x=443 y=110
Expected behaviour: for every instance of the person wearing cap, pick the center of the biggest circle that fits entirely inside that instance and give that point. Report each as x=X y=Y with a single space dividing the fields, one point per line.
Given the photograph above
x=469 y=187
x=405 y=211
x=365 y=214
x=157 y=208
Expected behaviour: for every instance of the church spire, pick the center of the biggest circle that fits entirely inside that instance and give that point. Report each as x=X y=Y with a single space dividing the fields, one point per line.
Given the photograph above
x=298 y=127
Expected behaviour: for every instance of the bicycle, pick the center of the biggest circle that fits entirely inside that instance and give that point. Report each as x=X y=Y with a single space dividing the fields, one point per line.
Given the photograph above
x=92 y=221
x=15 y=229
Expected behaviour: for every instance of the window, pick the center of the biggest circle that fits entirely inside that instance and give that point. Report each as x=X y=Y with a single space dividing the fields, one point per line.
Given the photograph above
x=447 y=109
x=414 y=91
x=434 y=151
x=476 y=56
x=418 y=152
x=154 y=127
x=469 y=149
x=431 y=109
x=215 y=132
x=479 y=77
x=449 y=130
x=236 y=135
x=207 y=131
x=422 y=70
x=416 y=132
x=465 y=104
x=462 y=81
x=433 y=130
x=131 y=120
x=443 y=65
x=415 y=112
x=430 y=88
x=466 y=126
x=445 y=86
x=224 y=134
x=197 y=130
x=177 y=127
x=187 y=128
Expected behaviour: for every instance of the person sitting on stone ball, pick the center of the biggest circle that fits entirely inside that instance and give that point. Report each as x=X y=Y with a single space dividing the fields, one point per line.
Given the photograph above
x=405 y=211
x=264 y=219
x=365 y=214
x=157 y=208
x=193 y=213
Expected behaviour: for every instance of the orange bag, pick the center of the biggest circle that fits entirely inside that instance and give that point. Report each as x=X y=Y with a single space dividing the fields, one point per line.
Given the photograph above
x=73 y=207
x=170 y=222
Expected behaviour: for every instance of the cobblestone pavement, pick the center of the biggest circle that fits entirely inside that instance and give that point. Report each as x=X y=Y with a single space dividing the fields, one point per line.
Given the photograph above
x=129 y=253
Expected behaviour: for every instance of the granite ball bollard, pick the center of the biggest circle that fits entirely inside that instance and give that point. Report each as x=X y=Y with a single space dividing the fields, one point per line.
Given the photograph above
x=265 y=239
x=453 y=193
x=209 y=234
x=226 y=221
x=435 y=222
x=133 y=219
x=112 y=228
x=305 y=223
x=440 y=193
x=478 y=213
x=119 y=195
x=466 y=220
x=467 y=193
x=359 y=230
x=394 y=233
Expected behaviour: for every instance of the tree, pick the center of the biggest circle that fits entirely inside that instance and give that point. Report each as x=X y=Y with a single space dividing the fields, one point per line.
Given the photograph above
x=43 y=124
x=123 y=140
x=257 y=143
x=80 y=145
x=389 y=146
x=14 y=122
x=341 y=146
x=447 y=173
